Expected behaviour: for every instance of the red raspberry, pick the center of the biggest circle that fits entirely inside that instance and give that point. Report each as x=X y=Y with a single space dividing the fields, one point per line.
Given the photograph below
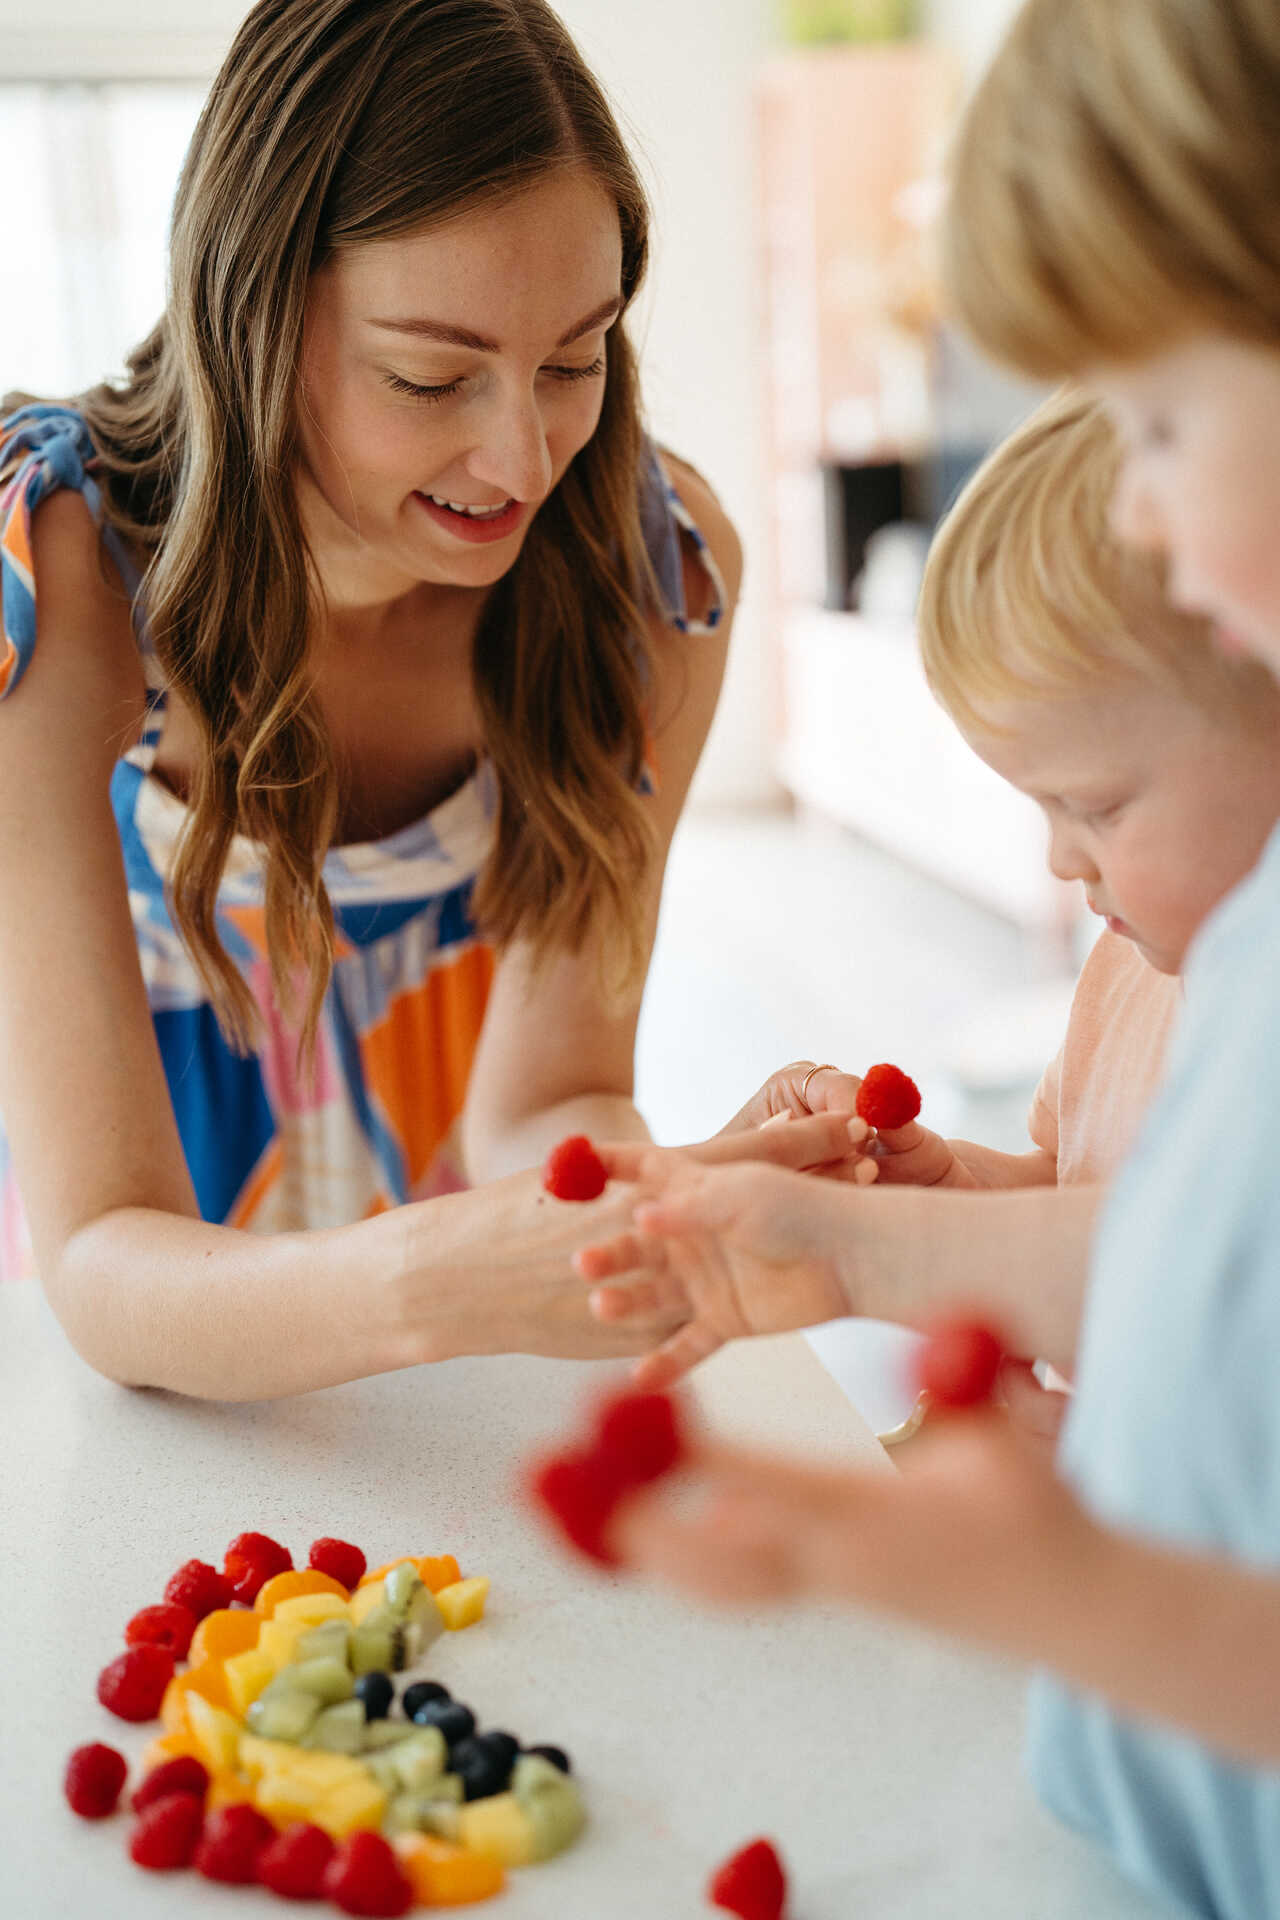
x=232 y=1843
x=295 y=1861
x=166 y=1625
x=166 y=1834
x=93 y=1779
x=364 y=1877
x=752 y=1884
x=199 y=1587
x=186 y=1774
x=638 y=1437
x=959 y=1363
x=250 y=1561
x=132 y=1685
x=341 y=1561
x=574 y=1170
x=887 y=1098
x=580 y=1493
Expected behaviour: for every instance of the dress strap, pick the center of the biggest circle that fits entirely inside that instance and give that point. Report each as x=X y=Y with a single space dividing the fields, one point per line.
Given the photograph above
x=664 y=519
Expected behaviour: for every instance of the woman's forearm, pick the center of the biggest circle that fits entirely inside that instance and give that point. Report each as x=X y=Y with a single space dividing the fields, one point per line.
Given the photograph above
x=495 y=1148
x=160 y=1300
x=1021 y=1257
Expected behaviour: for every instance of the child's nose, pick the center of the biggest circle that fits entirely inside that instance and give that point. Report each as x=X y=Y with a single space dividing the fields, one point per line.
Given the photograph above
x=1069 y=859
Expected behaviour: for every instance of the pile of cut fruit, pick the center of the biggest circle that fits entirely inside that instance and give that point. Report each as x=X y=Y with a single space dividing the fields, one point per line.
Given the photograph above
x=286 y=1759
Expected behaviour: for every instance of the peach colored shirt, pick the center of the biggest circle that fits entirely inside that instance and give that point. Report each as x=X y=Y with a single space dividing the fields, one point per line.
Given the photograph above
x=1091 y=1101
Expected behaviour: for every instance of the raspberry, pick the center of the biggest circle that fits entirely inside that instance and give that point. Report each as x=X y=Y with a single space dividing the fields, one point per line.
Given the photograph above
x=199 y=1587
x=166 y=1625
x=752 y=1884
x=294 y=1863
x=638 y=1437
x=186 y=1774
x=574 y=1170
x=166 y=1834
x=579 y=1493
x=364 y=1877
x=341 y=1561
x=132 y=1685
x=93 y=1779
x=250 y=1561
x=887 y=1098
x=959 y=1363
x=232 y=1843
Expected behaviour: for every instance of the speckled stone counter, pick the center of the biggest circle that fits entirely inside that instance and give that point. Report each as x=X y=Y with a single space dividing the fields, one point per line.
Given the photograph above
x=885 y=1764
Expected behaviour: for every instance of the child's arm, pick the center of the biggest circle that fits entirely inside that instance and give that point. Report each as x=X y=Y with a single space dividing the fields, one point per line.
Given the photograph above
x=754 y=1249
x=912 y=1156
x=983 y=1541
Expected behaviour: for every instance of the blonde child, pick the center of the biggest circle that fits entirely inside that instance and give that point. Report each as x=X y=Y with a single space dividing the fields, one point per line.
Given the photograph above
x=1113 y=220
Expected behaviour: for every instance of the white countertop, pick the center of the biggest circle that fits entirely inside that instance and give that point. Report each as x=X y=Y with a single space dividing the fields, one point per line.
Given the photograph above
x=884 y=1764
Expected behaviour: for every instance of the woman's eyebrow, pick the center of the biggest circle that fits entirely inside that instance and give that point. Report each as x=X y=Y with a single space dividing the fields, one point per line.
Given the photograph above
x=452 y=336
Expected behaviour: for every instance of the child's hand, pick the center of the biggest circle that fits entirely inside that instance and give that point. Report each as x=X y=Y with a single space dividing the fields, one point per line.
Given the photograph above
x=912 y=1156
x=746 y=1249
x=967 y=1542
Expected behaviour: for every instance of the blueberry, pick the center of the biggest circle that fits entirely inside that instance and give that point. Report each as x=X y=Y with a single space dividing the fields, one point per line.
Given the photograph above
x=376 y=1691
x=454 y=1720
x=556 y=1755
x=419 y=1693
x=482 y=1767
x=503 y=1746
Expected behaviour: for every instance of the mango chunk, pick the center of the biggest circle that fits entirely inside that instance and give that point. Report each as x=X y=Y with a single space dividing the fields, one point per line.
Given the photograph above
x=462 y=1604
x=443 y=1875
x=247 y=1674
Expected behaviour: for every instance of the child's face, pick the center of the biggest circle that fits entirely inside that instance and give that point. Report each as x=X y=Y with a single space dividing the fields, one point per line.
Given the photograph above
x=1157 y=809
x=1200 y=426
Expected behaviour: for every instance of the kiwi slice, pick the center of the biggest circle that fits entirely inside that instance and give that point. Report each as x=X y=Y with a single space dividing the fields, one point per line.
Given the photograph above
x=387 y=1733
x=441 y=1817
x=329 y=1680
x=399 y=1586
x=338 y=1729
x=421 y=1760
x=378 y=1643
x=328 y=1641
x=532 y=1775
x=556 y=1815
x=423 y=1623
x=283 y=1715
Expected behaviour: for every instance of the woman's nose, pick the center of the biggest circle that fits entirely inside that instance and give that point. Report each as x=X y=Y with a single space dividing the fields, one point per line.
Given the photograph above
x=513 y=456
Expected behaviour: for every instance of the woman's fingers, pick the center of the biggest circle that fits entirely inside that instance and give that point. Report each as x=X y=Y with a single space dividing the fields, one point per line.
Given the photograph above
x=800 y=1144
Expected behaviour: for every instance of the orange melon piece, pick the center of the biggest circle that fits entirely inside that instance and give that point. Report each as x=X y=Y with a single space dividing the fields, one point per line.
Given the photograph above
x=227 y=1631
x=443 y=1875
x=287 y=1586
x=169 y=1746
x=208 y=1679
x=435 y=1570
x=228 y=1789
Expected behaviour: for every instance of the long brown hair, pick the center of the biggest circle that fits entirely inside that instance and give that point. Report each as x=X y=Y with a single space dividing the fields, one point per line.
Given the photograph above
x=333 y=123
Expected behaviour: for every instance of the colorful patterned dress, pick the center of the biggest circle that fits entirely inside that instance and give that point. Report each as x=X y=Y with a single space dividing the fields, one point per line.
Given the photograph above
x=377 y=1123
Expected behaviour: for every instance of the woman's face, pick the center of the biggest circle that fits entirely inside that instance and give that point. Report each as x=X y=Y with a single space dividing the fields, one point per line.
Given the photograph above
x=457 y=368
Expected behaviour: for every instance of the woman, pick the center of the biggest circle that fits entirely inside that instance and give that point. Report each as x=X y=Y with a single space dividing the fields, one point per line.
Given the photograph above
x=343 y=645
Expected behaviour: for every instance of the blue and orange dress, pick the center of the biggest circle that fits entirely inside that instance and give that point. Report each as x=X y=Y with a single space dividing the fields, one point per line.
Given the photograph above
x=376 y=1123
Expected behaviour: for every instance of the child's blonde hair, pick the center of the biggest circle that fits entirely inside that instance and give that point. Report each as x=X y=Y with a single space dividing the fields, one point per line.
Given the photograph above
x=1116 y=182
x=1028 y=593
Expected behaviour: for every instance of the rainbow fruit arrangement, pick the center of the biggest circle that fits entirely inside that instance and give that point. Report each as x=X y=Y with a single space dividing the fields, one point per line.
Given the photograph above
x=283 y=1761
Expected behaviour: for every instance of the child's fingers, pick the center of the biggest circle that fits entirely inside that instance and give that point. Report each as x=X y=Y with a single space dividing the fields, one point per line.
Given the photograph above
x=625 y=1253
x=624 y=1302
x=686 y=1349
x=719 y=1555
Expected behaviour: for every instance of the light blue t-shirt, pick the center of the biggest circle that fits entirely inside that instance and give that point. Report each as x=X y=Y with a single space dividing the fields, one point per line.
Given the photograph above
x=1175 y=1428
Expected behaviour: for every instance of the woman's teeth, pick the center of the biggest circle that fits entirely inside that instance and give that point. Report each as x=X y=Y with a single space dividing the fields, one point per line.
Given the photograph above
x=474 y=513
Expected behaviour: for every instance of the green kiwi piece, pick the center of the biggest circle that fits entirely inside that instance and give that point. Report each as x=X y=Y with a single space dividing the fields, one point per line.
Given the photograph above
x=379 y=1765
x=449 y=1787
x=328 y=1641
x=532 y=1775
x=557 y=1817
x=405 y=1812
x=440 y=1817
x=286 y=1715
x=387 y=1733
x=339 y=1729
x=398 y=1588
x=421 y=1760
x=423 y=1624
x=329 y=1680
x=377 y=1644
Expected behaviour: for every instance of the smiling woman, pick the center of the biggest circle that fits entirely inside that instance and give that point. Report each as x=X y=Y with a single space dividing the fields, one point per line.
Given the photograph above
x=342 y=645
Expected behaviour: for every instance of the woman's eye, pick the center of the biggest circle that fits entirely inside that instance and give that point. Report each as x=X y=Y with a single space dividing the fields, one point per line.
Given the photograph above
x=579 y=373
x=419 y=392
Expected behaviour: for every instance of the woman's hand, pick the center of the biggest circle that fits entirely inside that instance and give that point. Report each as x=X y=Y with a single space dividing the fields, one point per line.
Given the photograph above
x=796 y=1092
x=743 y=1249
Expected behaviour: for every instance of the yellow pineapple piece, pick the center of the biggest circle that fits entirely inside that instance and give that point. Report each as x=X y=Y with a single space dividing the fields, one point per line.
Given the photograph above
x=312 y=1608
x=443 y=1875
x=278 y=1639
x=498 y=1826
x=359 y=1803
x=284 y=1799
x=259 y=1757
x=247 y=1674
x=365 y=1599
x=217 y=1734
x=462 y=1604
